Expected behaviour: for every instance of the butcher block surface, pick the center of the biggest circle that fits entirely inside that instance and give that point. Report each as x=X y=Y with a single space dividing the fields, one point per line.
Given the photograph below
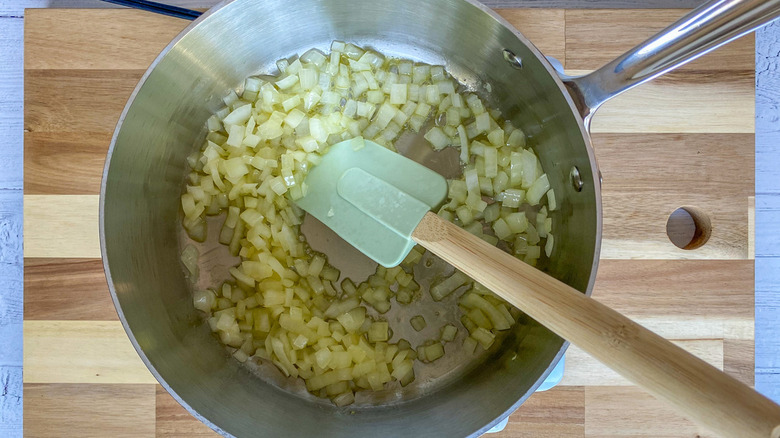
x=686 y=139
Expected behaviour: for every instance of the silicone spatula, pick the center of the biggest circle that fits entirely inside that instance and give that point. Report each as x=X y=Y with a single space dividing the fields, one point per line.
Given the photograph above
x=372 y=197
x=379 y=202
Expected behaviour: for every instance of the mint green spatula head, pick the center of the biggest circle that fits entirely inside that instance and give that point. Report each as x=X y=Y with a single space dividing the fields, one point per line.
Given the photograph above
x=372 y=197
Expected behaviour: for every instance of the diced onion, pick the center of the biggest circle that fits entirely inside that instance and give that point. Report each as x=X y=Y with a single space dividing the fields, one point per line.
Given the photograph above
x=448 y=333
x=204 y=300
x=470 y=345
x=437 y=138
x=484 y=337
x=418 y=322
x=551 y=200
x=284 y=304
x=538 y=189
x=548 y=246
x=448 y=285
x=434 y=351
x=189 y=257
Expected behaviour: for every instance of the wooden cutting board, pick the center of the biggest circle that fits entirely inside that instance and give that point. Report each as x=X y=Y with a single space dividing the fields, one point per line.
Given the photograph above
x=684 y=140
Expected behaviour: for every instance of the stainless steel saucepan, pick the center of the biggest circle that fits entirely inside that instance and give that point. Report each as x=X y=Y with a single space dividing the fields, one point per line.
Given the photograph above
x=163 y=123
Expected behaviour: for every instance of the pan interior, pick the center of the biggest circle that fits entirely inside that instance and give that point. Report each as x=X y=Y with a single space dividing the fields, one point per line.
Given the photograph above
x=142 y=236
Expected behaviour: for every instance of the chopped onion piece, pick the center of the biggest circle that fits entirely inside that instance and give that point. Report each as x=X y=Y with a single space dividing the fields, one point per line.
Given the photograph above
x=482 y=123
x=501 y=229
x=239 y=115
x=470 y=345
x=484 y=337
x=551 y=200
x=287 y=82
x=448 y=285
x=548 y=246
x=189 y=257
x=204 y=300
x=398 y=94
x=464 y=145
x=418 y=322
x=516 y=139
x=497 y=319
x=437 y=138
x=448 y=333
x=511 y=198
x=378 y=332
x=434 y=351
x=517 y=222
x=491 y=162
x=529 y=163
x=538 y=189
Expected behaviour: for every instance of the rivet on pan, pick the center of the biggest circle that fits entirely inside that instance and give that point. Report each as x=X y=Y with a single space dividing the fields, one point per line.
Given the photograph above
x=512 y=59
x=576 y=178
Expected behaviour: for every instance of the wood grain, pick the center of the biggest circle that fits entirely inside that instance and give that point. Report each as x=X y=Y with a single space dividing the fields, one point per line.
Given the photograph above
x=634 y=215
x=11 y=226
x=559 y=412
x=683 y=101
x=11 y=401
x=56 y=410
x=10 y=233
x=61 y=226
x=76 y=101
x=51 y=44
x=64 y=163
x=634 y=229
x=689 y=299
x=715 y=302
x=687 y=327
x=551 y=414
x=11 y=103
x=679 y=102
x=66 y=289
x=173 y=421
x=583 y=370
x=769 y=223
x=10 y=289
x=81 y=352
x=697 y=389
x=612 y=412
x=713 y=288
x=646 y=177
x=580 y=368
x=619 y=30
x=545 y=28
x=739 y=359
x=751 y=227
x=655 y=107
x=70 y=128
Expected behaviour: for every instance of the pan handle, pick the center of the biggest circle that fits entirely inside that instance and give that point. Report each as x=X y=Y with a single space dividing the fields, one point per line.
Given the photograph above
x=706 y=28
x=158 y=8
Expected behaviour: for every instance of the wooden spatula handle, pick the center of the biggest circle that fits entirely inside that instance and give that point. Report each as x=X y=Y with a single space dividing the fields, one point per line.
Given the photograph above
x=700 y=391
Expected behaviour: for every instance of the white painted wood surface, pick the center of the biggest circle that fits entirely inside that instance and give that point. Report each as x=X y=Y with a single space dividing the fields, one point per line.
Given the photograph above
x=11 y=226
x=768 y=211
x=11 y=128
